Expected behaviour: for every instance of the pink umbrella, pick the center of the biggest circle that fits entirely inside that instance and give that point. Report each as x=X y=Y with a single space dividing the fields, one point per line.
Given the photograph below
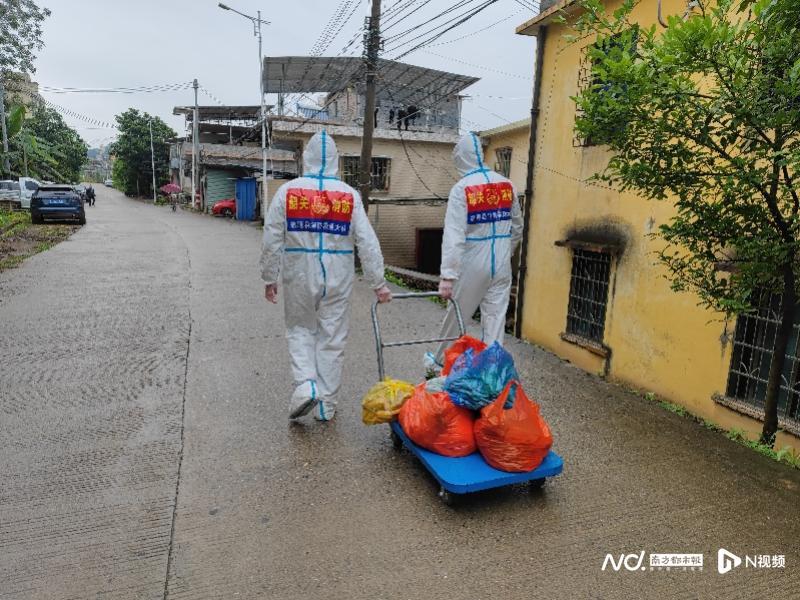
x=171 y=188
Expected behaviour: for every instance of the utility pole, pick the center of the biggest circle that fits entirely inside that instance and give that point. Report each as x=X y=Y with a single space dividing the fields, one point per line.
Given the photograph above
x=195 y=146
x=152 y=160
x=372 y=47
x=6 y=164
x=263 y=122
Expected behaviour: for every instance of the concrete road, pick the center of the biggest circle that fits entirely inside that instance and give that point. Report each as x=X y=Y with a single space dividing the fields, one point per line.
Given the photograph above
x=145 y=452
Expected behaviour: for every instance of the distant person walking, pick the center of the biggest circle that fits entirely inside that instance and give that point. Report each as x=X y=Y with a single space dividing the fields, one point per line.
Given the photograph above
x=90 y=194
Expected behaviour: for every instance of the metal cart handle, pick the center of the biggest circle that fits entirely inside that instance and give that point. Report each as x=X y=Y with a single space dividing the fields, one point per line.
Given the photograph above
x=380 y=345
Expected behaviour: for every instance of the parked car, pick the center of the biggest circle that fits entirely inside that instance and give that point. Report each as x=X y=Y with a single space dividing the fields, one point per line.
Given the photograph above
x=226 y=207
x=108 y=183
x=27 y=186
x=10 y=193
x=57 y=202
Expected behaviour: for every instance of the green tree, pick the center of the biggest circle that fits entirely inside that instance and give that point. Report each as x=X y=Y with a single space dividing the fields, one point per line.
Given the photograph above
x=706 y=114
x=133 y=173
x=20 y=34
x=44 y=146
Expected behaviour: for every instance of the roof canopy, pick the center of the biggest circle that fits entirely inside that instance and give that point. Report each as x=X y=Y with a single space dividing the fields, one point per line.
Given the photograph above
x=220 y=113
x=398 y=83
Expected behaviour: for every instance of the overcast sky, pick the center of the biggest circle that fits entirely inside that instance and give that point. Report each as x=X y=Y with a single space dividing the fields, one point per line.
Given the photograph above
x=135 y=43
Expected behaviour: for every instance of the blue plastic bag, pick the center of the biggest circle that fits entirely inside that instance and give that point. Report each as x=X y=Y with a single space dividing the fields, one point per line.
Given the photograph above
x=476 y=380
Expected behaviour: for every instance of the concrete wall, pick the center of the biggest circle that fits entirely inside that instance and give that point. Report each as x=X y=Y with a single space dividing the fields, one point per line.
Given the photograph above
x=660 y=340
x=396 y=227
x=429 y=172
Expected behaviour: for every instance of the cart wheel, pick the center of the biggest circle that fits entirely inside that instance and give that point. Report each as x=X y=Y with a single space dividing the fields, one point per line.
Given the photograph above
x=447 y=497
x=536 y=484
x=397 y=443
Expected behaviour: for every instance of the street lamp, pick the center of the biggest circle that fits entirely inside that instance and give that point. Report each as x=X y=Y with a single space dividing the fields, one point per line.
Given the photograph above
x=257 y=33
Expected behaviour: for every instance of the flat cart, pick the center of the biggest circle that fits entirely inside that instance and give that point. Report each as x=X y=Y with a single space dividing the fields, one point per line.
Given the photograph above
x=456 y=476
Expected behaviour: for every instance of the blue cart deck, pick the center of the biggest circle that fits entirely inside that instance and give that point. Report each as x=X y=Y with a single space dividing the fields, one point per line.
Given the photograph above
x=472 y=473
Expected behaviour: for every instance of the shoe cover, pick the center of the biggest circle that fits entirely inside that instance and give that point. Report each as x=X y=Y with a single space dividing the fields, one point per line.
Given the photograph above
x=325 y=410
x=303 y=399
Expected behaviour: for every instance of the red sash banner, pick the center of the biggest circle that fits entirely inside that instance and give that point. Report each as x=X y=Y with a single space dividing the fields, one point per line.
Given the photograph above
x=319 y=210
x=489 y=202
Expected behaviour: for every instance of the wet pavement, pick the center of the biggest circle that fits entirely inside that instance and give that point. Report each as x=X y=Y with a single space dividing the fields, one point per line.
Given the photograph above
x=145 y=451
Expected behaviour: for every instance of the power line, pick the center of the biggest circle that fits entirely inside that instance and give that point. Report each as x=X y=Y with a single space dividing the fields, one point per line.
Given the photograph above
x=463 y=19
x=211 y=96
x=116 y=90
x=463 y=37
x=417 y=27
x=493 y=70
x=79 y=116
x=529 y=5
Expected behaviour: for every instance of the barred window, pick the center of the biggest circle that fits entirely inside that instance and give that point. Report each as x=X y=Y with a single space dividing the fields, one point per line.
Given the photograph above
x=753 y=353
x=588 y=294
x=351 y=166
x=503 y=161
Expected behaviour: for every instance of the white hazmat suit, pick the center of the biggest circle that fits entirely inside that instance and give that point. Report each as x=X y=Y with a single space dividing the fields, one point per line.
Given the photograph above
x=309 y=232
x=482 y=226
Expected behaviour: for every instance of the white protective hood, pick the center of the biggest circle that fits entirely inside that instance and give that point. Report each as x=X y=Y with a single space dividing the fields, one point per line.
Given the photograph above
x=468 y=154
x=321 y=158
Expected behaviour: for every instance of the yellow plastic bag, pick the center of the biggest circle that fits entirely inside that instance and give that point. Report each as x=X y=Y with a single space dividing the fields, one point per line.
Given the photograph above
x=384 y=401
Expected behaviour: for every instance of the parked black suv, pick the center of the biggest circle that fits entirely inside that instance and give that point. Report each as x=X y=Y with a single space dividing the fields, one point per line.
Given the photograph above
x=59 y=202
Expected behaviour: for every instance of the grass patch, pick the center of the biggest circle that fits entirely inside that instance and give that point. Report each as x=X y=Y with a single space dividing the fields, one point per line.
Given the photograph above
x=400 y=281
x=11 y=222
x=19 y=238
x=9 y=262
x=786 y=455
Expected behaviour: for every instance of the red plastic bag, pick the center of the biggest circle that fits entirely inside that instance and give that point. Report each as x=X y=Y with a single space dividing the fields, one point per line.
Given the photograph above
x=515 y=439
x=458 y=348
x=435 y=423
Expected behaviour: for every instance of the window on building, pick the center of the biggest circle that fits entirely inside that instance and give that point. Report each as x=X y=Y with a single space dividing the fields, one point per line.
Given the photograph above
x=588 y=294
x=503 y=161
x=381 y=168
x=753 y=353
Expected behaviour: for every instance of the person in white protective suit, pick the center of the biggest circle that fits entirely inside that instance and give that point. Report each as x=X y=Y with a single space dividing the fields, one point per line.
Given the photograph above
x=482 y=227
x=309 y=233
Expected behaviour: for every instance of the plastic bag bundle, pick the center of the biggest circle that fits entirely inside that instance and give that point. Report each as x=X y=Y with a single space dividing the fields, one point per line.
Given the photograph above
x=477 y=379
x=435 y=385
x=514 y=439
x=382 y=403
x=457 y=348
x=435 y=423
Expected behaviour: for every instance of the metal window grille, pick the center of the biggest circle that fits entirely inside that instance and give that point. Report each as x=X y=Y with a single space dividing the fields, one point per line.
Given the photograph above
x=504 y=161
x=588 y=294
x=753 y=353
x=350 y=168
x=380 y=176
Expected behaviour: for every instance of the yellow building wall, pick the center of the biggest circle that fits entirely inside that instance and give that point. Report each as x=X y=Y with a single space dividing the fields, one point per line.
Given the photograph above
x=660 y=340
x=517 y=140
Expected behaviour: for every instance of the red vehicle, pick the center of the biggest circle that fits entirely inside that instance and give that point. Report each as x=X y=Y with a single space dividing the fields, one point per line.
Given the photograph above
x=226 y=207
